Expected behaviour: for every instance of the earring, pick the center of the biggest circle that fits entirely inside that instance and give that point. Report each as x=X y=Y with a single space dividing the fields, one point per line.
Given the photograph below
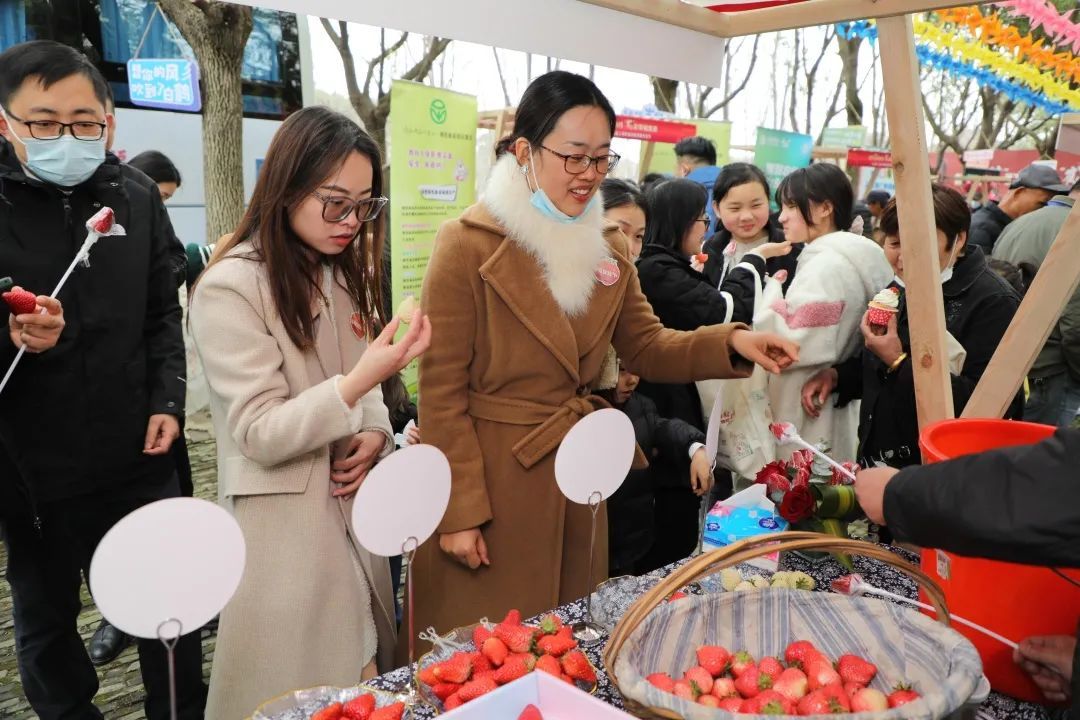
x=524 y=169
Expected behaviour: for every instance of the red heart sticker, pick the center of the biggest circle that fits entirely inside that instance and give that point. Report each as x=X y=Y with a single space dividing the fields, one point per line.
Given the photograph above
x=359 y=327
x=607 y=272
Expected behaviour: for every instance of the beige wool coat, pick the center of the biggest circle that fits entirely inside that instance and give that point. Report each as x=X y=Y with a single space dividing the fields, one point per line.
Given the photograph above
x=313 y=605
x=509 y=372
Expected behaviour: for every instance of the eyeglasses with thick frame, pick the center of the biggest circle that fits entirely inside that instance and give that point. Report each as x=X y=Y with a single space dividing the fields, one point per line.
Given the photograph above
x=578 y=163
x=336 y=208
x=87 y=130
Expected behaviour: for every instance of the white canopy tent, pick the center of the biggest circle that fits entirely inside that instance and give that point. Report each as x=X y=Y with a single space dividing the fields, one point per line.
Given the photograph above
x=685 y=41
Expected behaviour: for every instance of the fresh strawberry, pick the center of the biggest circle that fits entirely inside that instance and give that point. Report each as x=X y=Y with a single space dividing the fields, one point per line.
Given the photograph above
x=724 y=688
x=519 y=667
x=852 y=688
x=701 y=258
x=102 y=221
x=798 y=652
x=868 y=700
x=731 y=704
x=512 y=618
x=770 y=666
x=517 y=638
x=741 y=662
x=332 y=712
x=677 y=595
x=390 y=712
x=480 y=663
x=709 y=701
x=713 y=658
x=475 y=688
x=457 y=669
x=902 y=695
x=558 y=644
x=837 y=696
x=818 y=703
x=551 y=624
x=531 y=712
x=495 y=651
x=486 y=675
x=792 y=684
x=452 y=703
x=21 y=302
x=769 y=702
x=480 y=634
x=686 y=691
x=662 y=681
x=444 y=690
x=576 y=665
x=548 y=664
x=853 y=668
x=567 y=679
x=820 y=673
x=699 y=676
x=361 y=707
x=427 y=676
x=752 y=682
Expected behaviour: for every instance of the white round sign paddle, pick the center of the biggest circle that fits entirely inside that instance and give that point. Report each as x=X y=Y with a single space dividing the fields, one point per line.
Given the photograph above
x=404 y=496
x=595 y=456
x=168 y=568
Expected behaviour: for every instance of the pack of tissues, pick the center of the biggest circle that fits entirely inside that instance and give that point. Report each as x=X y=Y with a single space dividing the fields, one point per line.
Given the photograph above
x=745 y=514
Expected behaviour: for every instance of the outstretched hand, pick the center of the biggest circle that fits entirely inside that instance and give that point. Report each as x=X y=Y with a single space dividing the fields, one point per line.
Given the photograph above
x=770 y=351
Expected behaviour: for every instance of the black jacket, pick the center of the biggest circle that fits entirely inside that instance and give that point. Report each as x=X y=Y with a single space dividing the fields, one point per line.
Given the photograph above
x=979 y=306
x=73 y=419
x=1018 y=505
x=714 y=248
x=631 y=518
x=177 y=251
x=986 y=225
x=685 y=299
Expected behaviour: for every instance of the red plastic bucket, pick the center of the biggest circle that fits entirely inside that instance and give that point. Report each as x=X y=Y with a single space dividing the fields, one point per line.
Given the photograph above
x=1016 y=601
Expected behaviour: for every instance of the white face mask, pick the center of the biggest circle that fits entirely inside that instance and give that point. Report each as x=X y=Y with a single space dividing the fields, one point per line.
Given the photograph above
x=946 y=274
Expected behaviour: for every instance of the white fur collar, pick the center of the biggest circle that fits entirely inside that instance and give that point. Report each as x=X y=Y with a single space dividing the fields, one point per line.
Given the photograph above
x=567 y=253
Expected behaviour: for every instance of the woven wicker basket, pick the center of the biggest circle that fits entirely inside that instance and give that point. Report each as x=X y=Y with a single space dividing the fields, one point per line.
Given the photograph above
x=656 y=636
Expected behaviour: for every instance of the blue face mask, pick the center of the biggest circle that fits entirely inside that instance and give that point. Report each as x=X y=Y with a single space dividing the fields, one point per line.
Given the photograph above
x=66 y=162
x=543 y=204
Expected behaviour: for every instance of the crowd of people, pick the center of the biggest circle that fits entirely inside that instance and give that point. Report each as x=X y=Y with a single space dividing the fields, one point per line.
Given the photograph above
x=562 y=291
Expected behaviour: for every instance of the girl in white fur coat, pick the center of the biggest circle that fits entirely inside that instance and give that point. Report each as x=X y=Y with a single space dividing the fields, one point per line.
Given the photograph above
x=838 y=273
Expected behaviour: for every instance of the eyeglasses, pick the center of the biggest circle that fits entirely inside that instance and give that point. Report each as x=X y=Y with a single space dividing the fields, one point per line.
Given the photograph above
x=579 y=163
x=336 y=209
x=705 y=221
x=54 y=130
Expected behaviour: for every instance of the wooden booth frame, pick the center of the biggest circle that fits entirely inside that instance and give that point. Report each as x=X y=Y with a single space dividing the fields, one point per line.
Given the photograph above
x=1060 y=273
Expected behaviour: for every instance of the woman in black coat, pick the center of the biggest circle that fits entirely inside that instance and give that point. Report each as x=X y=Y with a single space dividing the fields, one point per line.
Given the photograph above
x=979 y=306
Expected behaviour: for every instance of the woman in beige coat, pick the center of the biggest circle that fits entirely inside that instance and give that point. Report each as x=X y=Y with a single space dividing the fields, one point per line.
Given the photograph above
x=280 y=319
x=525 y=292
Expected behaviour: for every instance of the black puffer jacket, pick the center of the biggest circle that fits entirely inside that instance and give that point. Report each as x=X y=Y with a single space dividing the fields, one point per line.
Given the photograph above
x=73 y=419
x=986 y=225
x=685 y=299
x=631 y=518
x=979 y=306
x=716 y=268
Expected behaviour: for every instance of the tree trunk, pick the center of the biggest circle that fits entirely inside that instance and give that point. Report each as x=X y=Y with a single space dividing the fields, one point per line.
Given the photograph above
x=665 y=93
x=218 y=33
x=849 y=56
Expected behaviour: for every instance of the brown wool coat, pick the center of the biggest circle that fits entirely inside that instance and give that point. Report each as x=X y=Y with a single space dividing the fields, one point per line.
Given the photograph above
x=503 y=382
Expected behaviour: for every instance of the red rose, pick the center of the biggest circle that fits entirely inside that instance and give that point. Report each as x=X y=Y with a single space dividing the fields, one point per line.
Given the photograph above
x=798 y=504
x=839 y=478
x=802 y=477
x=774 y=477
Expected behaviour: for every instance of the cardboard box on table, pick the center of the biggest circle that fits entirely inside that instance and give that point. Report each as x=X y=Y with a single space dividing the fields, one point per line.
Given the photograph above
x=556 y=700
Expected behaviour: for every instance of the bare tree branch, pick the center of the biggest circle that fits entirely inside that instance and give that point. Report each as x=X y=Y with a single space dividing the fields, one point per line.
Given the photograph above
x=502 y=78
x=741 y=86
x=381 y=58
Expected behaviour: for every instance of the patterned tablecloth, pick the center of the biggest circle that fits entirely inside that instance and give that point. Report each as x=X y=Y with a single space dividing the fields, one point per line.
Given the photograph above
x=996 y=707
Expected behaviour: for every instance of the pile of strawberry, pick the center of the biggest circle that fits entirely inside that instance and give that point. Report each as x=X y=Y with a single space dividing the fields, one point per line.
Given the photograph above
x=505 y=653
x=361 y=707
x=807 y=683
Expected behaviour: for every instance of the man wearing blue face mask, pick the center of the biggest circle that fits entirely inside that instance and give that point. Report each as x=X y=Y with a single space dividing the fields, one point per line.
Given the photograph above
x=979 y=306
x=85 y=428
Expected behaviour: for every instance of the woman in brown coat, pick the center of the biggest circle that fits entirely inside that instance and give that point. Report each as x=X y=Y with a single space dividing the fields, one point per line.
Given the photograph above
x=525 y=293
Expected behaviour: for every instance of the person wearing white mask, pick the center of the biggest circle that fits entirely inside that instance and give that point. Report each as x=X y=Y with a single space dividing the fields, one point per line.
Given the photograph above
x=979 y=305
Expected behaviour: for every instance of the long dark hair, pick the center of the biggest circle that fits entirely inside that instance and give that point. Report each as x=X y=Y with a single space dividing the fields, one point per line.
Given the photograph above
x=617 y=193
x=547 y=99
x=309 y=147
x=674 y=206
x=818 y=183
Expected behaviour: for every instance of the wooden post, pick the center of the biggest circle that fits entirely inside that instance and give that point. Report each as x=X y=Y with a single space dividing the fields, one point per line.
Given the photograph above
x=915 y=209
x=1055 y=283
x=500 y=126
x=646 y=160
